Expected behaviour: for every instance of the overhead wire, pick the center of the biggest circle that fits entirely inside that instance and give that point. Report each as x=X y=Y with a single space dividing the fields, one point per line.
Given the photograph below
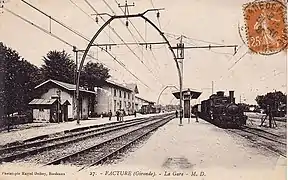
x=141 y=36
x=120 y=38
x=238 y=60
x=133 y=36
x=89 y=17
x=48 y=32
x=82 y=36
x=156 y=13
x=126 y=43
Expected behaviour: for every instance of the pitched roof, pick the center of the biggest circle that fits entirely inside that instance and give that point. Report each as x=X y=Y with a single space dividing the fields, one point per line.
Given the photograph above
x=194 y=94
x=144 y=99
x=133 y=87
x=69 y=87
x=118 y=85
x=42 y=101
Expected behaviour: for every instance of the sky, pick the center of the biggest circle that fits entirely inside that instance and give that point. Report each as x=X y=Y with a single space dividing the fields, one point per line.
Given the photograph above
x=202 y=22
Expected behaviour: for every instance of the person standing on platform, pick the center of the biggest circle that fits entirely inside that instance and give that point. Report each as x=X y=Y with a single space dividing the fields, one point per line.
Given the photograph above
x=196 y=115
x=118 y=115
x=135 y=113
x=176 y=113
x=122 y=115
x=110 y=115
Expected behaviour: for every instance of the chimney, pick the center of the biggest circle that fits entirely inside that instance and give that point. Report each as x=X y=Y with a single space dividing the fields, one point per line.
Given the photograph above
x=231 y=96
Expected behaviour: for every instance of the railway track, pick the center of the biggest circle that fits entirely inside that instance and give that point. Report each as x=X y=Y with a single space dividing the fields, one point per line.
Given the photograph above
x=100 y=152
x=270 y=141
x=27 y=149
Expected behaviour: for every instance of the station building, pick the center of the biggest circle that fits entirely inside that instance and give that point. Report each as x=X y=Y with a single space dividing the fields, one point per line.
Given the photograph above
x=56 y=101
x=114 y=96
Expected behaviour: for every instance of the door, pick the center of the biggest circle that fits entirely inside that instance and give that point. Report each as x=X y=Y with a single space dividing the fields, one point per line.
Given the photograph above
x=187 y=109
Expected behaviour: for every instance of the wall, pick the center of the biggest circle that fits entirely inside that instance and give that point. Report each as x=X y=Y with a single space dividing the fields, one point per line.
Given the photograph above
x=85 y=104
x=103 y=100
x=106 y=99
x=140 y=102
x=63 y=97
x=41 y=116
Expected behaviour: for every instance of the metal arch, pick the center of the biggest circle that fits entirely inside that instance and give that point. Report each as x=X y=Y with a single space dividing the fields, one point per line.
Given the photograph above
x=164 y=90
x=97 y=34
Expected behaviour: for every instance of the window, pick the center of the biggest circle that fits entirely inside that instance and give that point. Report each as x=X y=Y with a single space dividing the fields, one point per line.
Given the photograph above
x=132 y=97
x=115 y=92
x=125 y=105
x=120 y=104
x=115 y=106
x=128 y=95
x=120 y=93
x=124 y=94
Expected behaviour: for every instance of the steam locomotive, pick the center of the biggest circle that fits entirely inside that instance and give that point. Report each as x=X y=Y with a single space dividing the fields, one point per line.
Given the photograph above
x=222 y=111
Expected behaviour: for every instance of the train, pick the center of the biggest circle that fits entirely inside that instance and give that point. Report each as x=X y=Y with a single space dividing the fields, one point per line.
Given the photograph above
x=148 y=109
x=222 y=111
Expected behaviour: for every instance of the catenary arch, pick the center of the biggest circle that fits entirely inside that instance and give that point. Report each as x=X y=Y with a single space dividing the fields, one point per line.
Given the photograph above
x=166 y=87
x=141 y=15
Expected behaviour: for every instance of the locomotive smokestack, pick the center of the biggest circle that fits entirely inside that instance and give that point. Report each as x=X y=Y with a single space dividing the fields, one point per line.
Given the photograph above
x=231 y=96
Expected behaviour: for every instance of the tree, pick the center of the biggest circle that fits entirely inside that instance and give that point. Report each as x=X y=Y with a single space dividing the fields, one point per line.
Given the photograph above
x=59 y=66
x=273 y=99
x=94 y=75
x=18 y=78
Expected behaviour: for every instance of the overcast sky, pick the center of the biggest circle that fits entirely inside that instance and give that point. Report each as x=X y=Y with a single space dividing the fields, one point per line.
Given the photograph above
x=203 y=22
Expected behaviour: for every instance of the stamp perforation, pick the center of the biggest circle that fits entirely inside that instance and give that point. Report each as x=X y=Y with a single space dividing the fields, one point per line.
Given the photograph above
x=268 y=50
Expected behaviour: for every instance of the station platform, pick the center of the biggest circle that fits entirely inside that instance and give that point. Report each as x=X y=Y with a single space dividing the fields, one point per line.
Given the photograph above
x=202 y=147
x=32 y=131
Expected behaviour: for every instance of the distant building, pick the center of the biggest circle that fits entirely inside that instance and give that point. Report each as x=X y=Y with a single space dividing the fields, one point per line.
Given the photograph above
x=57 y=101
x=113 y=96
x=139 y=102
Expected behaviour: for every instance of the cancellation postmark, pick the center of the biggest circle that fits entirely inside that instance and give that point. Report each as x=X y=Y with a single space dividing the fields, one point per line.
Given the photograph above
x=265 y=26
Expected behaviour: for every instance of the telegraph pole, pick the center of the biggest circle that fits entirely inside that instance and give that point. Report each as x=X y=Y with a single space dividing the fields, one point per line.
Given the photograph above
x=180 y=58
x=76 y=95
x=212 y=87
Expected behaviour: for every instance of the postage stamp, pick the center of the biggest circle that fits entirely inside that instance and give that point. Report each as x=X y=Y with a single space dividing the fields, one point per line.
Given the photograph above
x=266 y=26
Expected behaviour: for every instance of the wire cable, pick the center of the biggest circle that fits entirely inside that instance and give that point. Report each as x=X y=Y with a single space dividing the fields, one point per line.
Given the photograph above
x=89 y=17
x=122 y=40
x=82 y=36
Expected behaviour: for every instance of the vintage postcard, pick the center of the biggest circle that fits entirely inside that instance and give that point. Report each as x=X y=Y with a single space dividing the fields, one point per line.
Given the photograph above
x=143 y=89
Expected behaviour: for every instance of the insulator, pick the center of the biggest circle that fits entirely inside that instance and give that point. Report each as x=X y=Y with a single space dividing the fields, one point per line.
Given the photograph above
x=110 y=48
x=209 y=46
x=97 y=20
x=150 y=47
x=127 y=23
x=146 y=46
x=158 y=14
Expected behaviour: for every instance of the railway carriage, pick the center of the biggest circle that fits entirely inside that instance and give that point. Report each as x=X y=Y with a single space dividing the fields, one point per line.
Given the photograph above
x=147 y=109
